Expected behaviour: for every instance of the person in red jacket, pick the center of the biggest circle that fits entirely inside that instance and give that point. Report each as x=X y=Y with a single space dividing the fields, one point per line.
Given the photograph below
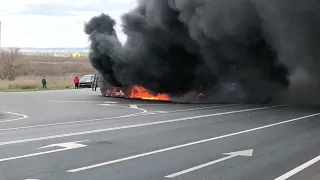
x=76 y=81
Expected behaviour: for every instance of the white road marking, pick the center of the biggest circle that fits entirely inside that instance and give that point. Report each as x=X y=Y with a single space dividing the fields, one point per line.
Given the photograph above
x=194 y=109
x=110 y=102
x=103 y=119
x=159 y=111
x=298 y=169
x=16 y=119
x=128 y=107
x=166 y=112
x=133 y=106
x=77 y=101
x=231 y=155
x=155 y=112
x=75 y=144
x=66 y=146
x=149 y=113
x=133 y=126
x=151 y=104
x=168 y=104
x=189 y=144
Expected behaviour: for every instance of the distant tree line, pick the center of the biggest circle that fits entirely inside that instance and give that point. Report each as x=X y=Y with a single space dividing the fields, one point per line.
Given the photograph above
x=57 y=54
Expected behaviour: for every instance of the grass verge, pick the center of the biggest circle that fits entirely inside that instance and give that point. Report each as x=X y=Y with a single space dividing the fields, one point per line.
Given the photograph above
x=33 y=83
x=31 y=90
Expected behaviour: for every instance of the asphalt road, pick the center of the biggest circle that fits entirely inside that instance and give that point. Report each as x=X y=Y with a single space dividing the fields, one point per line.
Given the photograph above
x=79 y=135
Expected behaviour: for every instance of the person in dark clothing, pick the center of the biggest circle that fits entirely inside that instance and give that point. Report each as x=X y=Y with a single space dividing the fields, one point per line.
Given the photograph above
x=44 y=83
x=76 y=82
x=95 y=82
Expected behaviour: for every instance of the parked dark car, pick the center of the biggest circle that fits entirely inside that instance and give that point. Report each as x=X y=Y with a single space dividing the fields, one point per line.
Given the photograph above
x=86 y=81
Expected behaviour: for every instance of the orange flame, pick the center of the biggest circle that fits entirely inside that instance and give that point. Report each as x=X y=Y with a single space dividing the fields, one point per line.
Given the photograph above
x=141 y=93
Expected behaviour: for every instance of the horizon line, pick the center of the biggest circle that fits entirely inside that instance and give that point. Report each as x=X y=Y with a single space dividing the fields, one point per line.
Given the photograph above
x=46 y=47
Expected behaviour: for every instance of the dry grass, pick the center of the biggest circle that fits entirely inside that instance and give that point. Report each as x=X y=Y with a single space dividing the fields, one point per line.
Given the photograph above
x=53 y=66
x=34 y=82
x=58 y=71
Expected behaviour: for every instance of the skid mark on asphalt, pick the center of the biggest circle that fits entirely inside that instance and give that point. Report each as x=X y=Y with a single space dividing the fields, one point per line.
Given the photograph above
x=22 y=116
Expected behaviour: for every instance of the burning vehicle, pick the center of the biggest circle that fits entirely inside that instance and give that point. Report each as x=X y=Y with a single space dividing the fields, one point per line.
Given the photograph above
x=234 y=51
x=134 y=92
x=139 y=92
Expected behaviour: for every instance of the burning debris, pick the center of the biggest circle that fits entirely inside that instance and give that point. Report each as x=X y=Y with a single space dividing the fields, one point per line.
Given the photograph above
x=136 y=92
x=175 y=47
x=139 y=92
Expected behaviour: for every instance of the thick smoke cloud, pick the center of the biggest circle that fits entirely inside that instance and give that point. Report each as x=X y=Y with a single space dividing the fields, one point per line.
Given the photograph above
x=235 y=50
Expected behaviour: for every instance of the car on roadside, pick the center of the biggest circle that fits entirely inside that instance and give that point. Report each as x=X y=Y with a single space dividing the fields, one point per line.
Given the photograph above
x=86 y=81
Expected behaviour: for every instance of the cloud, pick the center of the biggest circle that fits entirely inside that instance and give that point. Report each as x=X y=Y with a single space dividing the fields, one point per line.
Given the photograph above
x=55 y=23
x=65 y=8
x=46 y=10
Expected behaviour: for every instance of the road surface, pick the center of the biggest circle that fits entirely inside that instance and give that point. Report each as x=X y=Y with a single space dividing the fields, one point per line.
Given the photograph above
x=78 y=134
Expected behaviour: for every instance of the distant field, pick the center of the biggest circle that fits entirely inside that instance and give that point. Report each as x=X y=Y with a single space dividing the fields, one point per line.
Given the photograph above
x=53 y=66
x=58 y=71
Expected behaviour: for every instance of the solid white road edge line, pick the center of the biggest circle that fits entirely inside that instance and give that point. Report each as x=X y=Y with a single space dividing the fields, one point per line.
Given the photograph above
x=298 y=169
x=189 y=144
x=16 y=119
x=109 y=118
x=133 y=126
x=180 y=110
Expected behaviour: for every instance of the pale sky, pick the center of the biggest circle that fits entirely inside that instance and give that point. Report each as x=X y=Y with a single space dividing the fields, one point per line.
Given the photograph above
x=54 y=23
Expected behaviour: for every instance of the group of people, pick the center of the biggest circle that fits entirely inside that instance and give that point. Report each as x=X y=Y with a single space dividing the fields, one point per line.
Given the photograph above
x=76 y=82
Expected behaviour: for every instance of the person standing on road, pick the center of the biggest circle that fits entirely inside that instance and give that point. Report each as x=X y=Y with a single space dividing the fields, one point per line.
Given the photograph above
x=44 y=83
x=94 y=82
x=76 y=82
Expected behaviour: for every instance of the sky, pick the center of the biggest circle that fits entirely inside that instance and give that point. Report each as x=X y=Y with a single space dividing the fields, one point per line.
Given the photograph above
x=55 y=23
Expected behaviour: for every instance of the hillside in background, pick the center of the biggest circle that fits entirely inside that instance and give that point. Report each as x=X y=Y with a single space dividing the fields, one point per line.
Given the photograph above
x=61 y=52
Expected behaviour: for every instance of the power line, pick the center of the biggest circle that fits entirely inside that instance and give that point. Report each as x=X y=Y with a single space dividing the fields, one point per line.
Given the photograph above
x=14 y=28
x=18 y=29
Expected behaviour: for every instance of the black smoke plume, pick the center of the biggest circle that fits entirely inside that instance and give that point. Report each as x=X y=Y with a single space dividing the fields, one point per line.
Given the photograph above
x=235 y=50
